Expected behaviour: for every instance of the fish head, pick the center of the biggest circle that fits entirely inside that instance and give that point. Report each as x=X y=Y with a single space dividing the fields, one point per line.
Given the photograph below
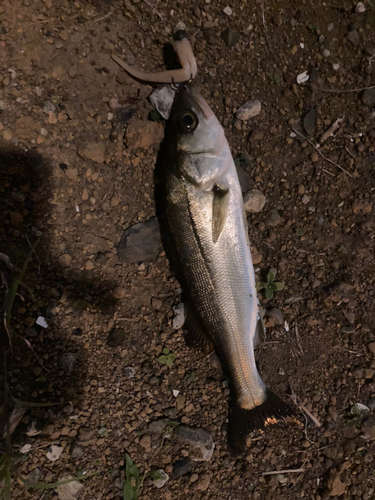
x=198 y=138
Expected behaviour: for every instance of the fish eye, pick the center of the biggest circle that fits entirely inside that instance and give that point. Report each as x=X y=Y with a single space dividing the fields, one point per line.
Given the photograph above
x=189 y=122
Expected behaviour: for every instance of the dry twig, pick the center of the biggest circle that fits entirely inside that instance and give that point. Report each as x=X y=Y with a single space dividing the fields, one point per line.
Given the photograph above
x=285 y=471
x=321 y=154
x=331 y=129
x=103 y=17
x=334 y=91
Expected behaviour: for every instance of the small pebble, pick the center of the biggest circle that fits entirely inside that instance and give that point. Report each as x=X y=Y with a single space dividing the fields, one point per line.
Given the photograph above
x=360 y=8
x=254 y=201
x=249 y=110
x=228 y=11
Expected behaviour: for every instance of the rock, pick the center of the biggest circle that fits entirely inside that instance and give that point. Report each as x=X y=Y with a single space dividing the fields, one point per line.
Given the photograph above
x=368 y=431
x=368 y=97
x=256 y=256
x=145 y=442
x=272 y=218
x=302 y=77
x=314 y=75
x=69 y=491
x=326 y=53
x=159 y=483
x=129 y=371
x=117 y=337
x=305 y=199
x=93 y=243
x=309 y=122
x=277 y=20
x=65 y=260
x=199 y=440
x=371 y=347
x=35 y=475
x=171 y=413
x=181 y=467
x=348 y=329
x=293 y=298
x=179 y=316
x=204 y=482
x=93 y=151
x=119 y=292
x=48 y=107
x=243 y=177
x=361 y=206
x=249 y=110
x=360 y=8
x=7 y=135
x=143 y=134
x=66 y=361
x=276 y=315
x=180 y=402
x=353 y=37
x=370 y=49
x=140 y=243
x=27 y=128
x=85 y=435
x=16 y=219
x=162 y=100
x=338 y=487
x=76 y=451
x=54 y=452
x=230 y=37
x=71 y=173
x=156 y=303
x=100 y=258
x=254 y=201
x=157 y=426
x=371 y=403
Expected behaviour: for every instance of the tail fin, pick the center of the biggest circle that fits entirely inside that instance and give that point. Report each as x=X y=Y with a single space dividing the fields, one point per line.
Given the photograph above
x=242 y=421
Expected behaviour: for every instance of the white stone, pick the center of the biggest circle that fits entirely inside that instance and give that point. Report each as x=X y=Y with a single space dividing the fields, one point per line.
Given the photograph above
x=302 y=77
x=249 y=110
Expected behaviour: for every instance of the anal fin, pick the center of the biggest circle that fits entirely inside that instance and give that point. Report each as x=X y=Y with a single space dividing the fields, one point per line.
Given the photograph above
x=195 y=333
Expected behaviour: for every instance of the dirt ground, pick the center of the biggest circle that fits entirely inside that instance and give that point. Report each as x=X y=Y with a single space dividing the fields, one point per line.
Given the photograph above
x=77 y=156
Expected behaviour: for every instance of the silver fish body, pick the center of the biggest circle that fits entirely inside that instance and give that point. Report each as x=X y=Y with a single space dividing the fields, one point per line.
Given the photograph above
x=208 y=231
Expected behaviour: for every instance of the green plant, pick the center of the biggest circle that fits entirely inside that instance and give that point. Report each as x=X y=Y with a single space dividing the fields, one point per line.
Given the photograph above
x=190 y=375
x=155 y=116
x=167 y=357
x=5 y=476
x=155 y=475
x=270 y=286
x=132 y=483
x=12 y=293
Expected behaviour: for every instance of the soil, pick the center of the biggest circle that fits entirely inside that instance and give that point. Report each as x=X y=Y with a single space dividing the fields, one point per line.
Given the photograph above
x=77 y=156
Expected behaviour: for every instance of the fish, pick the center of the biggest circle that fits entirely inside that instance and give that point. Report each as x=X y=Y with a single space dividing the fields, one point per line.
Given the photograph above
x=207 y=233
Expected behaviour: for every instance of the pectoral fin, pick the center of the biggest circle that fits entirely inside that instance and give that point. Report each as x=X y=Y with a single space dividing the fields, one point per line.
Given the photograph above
x=219 y=211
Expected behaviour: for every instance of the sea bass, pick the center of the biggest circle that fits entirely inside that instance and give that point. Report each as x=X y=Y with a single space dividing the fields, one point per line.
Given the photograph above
x=208 y=234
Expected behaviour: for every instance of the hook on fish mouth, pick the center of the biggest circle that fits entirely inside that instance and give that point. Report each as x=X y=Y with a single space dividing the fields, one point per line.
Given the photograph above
x=176 y=76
